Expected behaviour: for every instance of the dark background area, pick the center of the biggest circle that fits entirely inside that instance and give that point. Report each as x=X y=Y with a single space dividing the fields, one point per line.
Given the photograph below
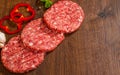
x=92 y=50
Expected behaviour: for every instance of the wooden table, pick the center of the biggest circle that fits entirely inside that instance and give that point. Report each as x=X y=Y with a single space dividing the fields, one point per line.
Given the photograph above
x=92 y=50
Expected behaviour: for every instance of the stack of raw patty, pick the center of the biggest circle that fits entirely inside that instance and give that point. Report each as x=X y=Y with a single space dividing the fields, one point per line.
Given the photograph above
x=26 y=51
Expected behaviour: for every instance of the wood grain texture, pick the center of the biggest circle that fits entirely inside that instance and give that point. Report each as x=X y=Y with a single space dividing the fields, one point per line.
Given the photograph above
x=92 y=50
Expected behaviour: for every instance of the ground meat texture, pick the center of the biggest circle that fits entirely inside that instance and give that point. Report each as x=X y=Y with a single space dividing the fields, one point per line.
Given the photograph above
x=19 y=59
x=37 y=36
x=64 y=16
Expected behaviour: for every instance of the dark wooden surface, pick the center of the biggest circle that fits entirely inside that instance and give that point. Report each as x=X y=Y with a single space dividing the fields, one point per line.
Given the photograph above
x=92 y=50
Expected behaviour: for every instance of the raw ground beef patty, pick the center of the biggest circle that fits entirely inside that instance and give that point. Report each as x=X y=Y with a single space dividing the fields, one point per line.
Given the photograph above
x=19 y=59
x=37 y=36
x=64 y=16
